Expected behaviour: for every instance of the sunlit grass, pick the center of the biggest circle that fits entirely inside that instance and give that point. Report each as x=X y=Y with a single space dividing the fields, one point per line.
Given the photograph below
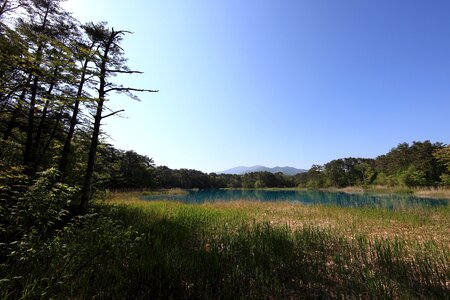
x=242 y=250
x=443 y=192
x=410 y=223
x=248 y=249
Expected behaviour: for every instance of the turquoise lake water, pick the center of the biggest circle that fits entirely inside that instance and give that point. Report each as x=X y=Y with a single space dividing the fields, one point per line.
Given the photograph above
x=304 y=197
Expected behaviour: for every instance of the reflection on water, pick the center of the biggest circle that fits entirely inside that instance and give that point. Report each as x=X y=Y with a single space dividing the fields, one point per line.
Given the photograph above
x=305 y=197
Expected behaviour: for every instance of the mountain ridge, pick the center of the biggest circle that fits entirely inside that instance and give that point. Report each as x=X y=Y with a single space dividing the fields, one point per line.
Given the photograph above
x=240 y=170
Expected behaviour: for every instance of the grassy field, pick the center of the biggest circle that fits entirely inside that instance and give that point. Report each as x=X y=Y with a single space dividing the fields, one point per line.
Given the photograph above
x=243 y=250
x=262 y=250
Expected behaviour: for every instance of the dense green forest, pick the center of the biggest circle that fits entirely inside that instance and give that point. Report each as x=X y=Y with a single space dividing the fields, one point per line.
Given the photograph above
x=56 y=78
x=417 y=164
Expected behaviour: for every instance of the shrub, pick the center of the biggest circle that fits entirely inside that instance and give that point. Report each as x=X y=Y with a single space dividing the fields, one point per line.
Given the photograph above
x=30 y=213
x=412 y=177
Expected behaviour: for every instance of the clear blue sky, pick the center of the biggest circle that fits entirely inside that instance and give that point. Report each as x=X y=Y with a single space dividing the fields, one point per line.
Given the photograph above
x=279 y=82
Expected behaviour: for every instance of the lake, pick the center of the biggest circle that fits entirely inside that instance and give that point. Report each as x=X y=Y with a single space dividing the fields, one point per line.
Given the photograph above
x=393 y=201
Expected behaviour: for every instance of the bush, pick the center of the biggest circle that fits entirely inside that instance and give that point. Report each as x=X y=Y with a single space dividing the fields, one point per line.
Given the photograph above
x=445 y=179
x=10 y=152
x=412 y=177
x=383 y=179
x=71 y=260
x=30 y=213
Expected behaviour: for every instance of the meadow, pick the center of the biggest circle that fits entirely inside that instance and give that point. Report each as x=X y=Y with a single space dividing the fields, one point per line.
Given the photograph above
x=242 y=249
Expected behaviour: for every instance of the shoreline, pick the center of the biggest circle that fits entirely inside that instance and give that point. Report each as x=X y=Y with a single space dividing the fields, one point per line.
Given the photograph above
x=425 y=192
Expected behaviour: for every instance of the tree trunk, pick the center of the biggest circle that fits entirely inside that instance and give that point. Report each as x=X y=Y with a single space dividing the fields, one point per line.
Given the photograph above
x=43 y=118
x=73 y=121
x=50 y=139
x=28 y=152
x=86 y=191
x=108 y=43
x=27 y=155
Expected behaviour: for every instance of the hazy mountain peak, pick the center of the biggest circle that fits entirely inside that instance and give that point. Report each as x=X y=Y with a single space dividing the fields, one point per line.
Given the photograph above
x=258 y=168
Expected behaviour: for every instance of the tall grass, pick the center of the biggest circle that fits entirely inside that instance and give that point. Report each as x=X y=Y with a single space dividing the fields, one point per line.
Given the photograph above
x=221 y=251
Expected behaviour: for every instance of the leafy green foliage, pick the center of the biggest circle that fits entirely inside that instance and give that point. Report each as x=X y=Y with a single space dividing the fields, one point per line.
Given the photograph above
x=30 y=211
x=85 y=245
x=418 y=164
x=406 y=159
x=118 y=169
x=443 y=156
x=412 y=177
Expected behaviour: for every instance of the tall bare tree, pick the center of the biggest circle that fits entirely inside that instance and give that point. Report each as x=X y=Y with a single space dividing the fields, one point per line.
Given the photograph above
x=111 y=61
x=85 y=52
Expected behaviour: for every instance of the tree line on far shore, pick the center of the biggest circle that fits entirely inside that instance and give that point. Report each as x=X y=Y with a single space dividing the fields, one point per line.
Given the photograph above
x=419 y=164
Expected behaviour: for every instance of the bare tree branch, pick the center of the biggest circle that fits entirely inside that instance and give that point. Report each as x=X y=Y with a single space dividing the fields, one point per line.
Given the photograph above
x=125 y=71
x=4 y=8
x=112 y=114
x=120 y=89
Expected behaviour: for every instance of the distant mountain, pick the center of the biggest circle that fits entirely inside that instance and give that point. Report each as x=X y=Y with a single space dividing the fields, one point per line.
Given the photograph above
x=244 y=170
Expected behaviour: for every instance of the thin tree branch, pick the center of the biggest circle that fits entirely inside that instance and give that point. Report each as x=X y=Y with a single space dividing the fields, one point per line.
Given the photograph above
x=125 y=71
x=112 y=114
x=5 y=10
x=118 y=89
x=121 y=31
